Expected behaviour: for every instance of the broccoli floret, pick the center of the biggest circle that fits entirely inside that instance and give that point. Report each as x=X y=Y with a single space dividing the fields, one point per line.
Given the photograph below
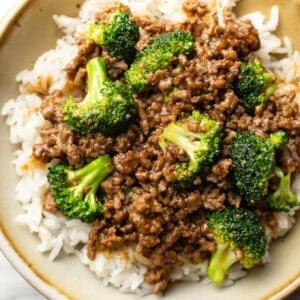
x=108 y=106
x=235 y=229
x=283 y=198
x=253 y=86
x=119 y=35
x=201 y=146
x=157 y=56
x=75 y=191
x=253 y=159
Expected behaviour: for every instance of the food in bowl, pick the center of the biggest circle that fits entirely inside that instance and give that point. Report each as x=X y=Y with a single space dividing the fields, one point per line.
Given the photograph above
x=193 y=129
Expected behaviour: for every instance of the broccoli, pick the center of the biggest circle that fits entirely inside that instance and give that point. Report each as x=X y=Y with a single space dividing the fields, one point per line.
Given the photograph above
x=119 y=35
x=253 y=159
x=283 y=198
x=108 y=106
x=157 y=56
x=253 y=86
x=235 y=229
x=75 y=191
x=201 y=146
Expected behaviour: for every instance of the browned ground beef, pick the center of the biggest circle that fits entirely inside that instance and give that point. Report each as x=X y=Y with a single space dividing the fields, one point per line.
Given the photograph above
x=169 y=224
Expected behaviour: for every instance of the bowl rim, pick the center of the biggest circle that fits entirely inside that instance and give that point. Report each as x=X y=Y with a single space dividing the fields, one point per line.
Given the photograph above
x=15 y=257
x=11 y=16
x=20 y=264
x=7 y=247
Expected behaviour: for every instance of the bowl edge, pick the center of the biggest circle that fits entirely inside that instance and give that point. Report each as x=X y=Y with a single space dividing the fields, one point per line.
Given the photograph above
x=7 y=247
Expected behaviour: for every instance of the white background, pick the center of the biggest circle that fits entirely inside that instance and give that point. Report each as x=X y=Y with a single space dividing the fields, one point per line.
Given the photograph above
x=12 y=285
x=5 y=5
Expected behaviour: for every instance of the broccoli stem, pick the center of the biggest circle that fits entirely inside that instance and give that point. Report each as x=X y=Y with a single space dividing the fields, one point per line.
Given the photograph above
x=269 y=86
x=107 y=108
x=221 y=260
x=181 y=137
x=87 y=179
x=97 y=75
x=75 y=191
x=283 y=199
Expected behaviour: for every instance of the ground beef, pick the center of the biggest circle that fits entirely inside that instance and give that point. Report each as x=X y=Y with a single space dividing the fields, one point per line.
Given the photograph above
x=144 y=205
x=59 y=141
x=48 y=203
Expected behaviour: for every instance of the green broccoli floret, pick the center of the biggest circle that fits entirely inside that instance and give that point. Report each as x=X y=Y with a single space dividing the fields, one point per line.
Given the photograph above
x=253 y=159
x=157 y=56
x=235 y=229
x=75 y=191
x=283 y=198
x=201 y=146
x=254 y=85
x=119 y=35
x=108 y=106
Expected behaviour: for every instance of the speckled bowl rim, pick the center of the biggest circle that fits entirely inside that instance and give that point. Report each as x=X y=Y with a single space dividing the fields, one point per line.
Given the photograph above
x=15 y=257
x=11 y=16
x=6 y=245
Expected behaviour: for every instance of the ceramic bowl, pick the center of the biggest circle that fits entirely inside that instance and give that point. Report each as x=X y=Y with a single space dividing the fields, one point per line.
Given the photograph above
x=26 y=32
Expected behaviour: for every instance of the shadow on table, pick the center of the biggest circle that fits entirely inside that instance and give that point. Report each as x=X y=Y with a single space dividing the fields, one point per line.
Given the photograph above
x=294 y=296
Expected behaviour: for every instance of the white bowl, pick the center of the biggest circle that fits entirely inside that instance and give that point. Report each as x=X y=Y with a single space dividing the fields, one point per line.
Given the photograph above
x=25 y=33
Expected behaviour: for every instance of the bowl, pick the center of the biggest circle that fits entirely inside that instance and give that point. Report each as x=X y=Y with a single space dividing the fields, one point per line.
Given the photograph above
x=26 y=32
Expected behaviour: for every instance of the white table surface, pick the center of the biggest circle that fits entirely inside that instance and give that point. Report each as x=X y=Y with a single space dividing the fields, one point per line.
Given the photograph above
x=12 y=285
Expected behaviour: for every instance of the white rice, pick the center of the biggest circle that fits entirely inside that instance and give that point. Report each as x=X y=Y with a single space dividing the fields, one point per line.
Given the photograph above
x=59 y=234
